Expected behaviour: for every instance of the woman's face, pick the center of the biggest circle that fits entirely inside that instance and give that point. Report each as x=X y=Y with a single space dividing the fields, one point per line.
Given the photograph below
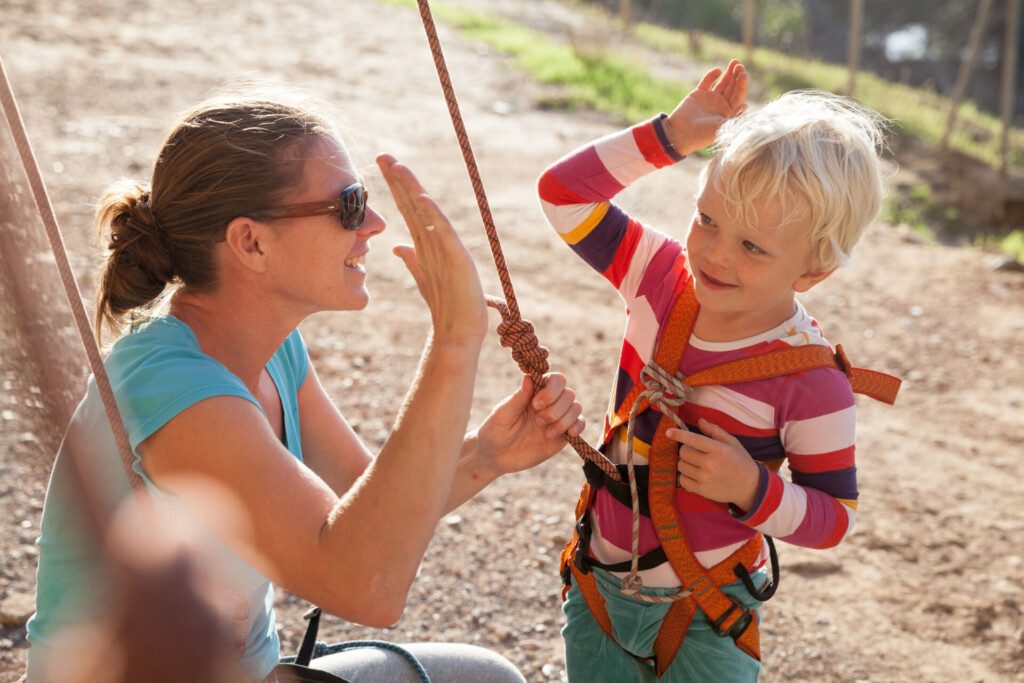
x=318 y=263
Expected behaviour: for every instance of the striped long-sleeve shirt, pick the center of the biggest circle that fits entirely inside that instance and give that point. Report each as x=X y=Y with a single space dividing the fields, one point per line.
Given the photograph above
x=805 y=419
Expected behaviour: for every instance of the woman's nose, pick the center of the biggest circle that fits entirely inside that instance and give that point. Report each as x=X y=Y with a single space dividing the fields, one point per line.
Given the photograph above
x=373 y=224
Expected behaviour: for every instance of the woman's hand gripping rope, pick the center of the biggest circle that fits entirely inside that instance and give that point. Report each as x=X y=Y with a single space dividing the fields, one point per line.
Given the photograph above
x=532 y=358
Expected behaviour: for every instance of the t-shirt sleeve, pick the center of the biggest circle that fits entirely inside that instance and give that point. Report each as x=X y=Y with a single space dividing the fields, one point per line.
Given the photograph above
x=155 y=381
x=576 y=197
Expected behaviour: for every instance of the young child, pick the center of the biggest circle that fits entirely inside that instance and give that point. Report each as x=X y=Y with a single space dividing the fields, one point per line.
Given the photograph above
x=781 y=204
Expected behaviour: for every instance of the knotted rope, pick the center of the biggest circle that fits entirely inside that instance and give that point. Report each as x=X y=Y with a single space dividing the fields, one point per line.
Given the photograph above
x=515 y=332
x=666 y=393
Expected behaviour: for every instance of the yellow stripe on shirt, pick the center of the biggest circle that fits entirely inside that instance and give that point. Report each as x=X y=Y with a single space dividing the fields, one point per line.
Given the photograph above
x=577 y=234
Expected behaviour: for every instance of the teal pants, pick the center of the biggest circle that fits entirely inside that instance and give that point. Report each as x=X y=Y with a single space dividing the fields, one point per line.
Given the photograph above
x=591 y=656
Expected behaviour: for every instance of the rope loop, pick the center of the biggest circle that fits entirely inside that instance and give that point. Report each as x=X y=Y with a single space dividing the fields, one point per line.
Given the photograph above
x=665 y=392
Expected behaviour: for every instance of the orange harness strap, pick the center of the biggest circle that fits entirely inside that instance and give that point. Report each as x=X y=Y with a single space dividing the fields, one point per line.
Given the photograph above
x=663 y=461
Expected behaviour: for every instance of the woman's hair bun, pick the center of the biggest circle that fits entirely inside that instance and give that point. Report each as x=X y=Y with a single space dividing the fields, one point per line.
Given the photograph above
x=140 y=261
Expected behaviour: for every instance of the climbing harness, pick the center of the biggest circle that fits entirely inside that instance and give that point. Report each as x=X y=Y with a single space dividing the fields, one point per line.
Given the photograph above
x=700 y=587
x=665 y=390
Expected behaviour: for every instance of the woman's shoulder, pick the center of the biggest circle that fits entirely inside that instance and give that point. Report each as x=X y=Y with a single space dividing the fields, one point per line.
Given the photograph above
x=161 y=360
x=165 y=342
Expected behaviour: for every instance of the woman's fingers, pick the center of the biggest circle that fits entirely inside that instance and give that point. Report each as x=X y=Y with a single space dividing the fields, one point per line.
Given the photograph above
x=444 y=272
x=557 y=408
x=554 y=384
x=564 y=423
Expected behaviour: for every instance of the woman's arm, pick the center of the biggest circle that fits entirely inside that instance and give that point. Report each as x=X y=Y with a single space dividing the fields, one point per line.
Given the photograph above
x=356 y=555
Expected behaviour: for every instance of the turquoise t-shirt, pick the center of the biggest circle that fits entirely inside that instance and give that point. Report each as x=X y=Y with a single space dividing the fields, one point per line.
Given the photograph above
x=156 y=372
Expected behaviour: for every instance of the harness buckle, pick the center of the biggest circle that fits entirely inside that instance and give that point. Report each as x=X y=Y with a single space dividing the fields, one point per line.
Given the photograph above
x=581 y=558
x=739 y=626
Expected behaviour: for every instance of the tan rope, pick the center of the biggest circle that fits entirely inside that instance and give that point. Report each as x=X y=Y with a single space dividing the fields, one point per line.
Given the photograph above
x=67 y=278
x=515 y=332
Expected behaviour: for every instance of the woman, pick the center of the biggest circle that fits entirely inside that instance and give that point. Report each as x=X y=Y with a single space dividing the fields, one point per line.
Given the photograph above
x=256 y=210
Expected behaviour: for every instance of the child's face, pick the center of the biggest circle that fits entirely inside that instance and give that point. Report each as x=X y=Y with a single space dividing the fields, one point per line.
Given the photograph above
x=746 y=279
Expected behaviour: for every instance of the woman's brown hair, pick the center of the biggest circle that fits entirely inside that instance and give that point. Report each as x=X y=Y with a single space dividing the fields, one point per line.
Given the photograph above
x=225 y=158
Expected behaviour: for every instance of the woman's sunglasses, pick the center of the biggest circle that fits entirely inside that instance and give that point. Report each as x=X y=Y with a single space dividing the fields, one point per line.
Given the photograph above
x=350 y=207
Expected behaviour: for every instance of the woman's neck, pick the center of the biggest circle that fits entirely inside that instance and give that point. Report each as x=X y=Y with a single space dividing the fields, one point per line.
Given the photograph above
x=236 y=330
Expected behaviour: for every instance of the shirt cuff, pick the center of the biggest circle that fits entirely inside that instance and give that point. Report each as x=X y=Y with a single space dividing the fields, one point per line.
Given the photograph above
x=659 y=129
x=759 y=497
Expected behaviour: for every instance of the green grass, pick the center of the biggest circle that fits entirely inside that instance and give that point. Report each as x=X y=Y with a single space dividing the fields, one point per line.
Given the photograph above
x=1013 y=244
x=917 y=209
x=593 y=78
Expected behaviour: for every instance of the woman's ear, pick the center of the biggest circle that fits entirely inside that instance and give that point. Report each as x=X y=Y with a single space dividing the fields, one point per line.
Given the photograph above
x=245 y=239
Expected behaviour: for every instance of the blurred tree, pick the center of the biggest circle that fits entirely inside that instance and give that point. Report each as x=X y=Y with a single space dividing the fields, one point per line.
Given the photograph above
x=919 y=42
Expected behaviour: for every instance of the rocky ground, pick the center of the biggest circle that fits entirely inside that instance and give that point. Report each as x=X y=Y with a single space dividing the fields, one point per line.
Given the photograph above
x=929 y=588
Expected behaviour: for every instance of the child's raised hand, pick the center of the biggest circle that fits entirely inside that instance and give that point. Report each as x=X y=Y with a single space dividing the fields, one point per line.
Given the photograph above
x=716 y=465
x=694 y=122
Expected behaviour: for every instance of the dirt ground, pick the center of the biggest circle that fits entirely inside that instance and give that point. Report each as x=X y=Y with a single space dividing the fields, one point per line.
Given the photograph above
x=930 y=587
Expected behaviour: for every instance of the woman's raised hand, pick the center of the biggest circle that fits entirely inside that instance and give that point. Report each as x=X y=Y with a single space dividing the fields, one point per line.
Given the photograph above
x=695 y=121
x=438 y=260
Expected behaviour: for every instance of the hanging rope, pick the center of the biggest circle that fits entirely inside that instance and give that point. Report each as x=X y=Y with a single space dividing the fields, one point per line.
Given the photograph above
x=515 y=332
x=67 y=279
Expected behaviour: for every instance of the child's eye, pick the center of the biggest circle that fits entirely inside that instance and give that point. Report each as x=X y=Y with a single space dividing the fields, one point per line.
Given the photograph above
x=704 y=219
x=752 y=248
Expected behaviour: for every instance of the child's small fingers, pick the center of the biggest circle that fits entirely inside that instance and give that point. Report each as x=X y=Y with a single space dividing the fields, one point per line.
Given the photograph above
x=739 y=97
x=709 y=79
x=727 y=78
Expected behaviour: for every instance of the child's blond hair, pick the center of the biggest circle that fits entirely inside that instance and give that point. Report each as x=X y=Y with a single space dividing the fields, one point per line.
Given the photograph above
x=817 y=154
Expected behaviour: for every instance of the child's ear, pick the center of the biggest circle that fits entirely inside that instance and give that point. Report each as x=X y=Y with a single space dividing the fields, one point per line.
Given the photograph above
x=809 y=279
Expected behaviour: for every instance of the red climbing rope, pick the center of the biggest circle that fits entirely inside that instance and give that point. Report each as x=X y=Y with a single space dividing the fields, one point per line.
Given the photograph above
x=515 y=332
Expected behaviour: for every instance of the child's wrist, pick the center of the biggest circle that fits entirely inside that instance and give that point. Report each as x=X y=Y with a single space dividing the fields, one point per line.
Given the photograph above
x=746 y=494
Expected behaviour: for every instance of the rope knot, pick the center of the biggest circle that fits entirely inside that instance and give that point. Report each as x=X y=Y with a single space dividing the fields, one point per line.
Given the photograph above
x=662 y=389
x=519 y=336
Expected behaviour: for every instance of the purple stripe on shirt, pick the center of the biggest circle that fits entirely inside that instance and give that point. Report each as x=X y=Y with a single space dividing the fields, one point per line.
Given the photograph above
x=599 y=247
x=811 y=394
x=818 y=522
x=623 y=385
x=837 y=483
x=711 y=530
x=659 y=130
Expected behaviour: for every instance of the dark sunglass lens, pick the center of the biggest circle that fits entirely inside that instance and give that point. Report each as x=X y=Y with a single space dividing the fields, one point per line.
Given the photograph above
x=353 y=207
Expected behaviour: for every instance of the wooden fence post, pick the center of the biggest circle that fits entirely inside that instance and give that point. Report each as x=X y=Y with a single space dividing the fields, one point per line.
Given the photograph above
x=1009 y=99
x=853 y=46
x=749 y=22
x=966 y=68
